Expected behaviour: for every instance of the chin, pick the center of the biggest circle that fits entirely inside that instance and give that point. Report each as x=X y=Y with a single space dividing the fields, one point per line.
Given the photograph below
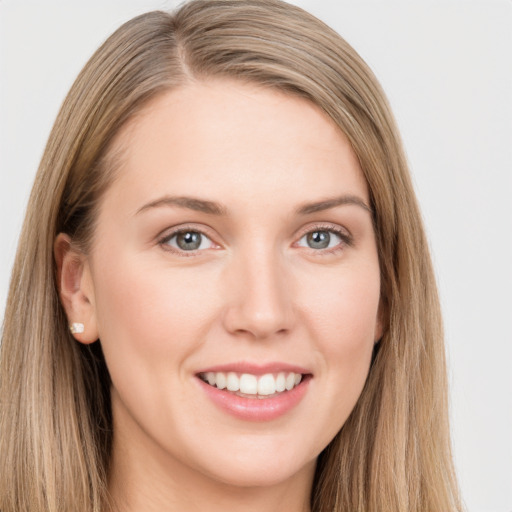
x=262 y=477
x=260 y=470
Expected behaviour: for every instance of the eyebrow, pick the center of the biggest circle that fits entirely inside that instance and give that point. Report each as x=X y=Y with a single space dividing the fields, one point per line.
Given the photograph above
x=192 y=203
x=214 y=208
x=327 y=204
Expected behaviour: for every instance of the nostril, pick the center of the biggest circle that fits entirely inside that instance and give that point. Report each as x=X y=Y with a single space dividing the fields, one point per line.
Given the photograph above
x=244 y=320
x=258 y=300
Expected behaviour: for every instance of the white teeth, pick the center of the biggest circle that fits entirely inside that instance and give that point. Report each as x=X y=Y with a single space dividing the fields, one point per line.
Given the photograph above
x=233 y=382
x=220 y=380
x=266 y=385
x=280 y=382
x=249 y=384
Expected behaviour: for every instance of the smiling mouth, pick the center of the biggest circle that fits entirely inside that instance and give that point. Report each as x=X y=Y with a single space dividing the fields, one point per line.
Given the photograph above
x=248 y=385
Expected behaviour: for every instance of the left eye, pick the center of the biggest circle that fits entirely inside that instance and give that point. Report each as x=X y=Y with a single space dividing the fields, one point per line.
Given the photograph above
x=320 y=239
x=188 y=241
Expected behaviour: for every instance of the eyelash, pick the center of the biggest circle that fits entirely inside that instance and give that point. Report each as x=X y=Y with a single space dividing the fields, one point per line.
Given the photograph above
x=345 y=237
x=164 y=240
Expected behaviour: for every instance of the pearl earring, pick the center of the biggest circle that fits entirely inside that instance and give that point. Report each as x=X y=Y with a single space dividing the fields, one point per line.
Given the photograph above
x=76 y=328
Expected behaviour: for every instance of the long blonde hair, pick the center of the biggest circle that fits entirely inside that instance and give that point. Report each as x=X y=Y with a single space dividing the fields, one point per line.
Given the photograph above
x=393 y=453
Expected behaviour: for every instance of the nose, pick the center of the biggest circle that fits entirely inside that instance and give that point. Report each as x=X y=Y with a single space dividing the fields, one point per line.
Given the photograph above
x=259 y=299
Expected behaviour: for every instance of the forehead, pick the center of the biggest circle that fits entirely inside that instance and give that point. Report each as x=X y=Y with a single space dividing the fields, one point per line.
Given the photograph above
x=227 y=137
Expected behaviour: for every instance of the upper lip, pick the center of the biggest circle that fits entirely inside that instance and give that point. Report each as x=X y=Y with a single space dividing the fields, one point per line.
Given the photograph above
x=256 y=368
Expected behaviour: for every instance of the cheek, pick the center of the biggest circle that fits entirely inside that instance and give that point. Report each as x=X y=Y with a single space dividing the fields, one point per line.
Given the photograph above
x=344 y=316
x=345 y=308
x=142 y=307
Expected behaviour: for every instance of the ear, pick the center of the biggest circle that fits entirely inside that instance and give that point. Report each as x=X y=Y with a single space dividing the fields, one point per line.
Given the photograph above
x=76 y=289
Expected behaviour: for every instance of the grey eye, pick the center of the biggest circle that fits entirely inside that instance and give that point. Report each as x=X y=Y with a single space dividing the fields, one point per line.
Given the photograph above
x=189 y=241
x=320 y=239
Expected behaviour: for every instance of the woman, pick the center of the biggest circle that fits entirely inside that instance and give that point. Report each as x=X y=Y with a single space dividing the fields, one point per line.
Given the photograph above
x=223 y=296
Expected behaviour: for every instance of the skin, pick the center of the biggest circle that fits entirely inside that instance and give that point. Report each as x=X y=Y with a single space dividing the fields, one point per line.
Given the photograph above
x=255 y=291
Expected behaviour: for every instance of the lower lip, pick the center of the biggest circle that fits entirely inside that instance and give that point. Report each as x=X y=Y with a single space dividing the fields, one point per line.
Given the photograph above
x=256 y=409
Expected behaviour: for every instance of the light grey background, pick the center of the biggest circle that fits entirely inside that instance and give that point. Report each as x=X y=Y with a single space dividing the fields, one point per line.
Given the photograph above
x=447 y=69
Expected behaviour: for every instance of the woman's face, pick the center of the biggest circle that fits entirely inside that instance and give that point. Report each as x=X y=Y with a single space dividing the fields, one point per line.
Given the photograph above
x=235 y=246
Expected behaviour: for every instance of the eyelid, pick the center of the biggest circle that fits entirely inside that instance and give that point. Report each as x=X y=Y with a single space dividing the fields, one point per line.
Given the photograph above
x=343 y=233
x=164 y=236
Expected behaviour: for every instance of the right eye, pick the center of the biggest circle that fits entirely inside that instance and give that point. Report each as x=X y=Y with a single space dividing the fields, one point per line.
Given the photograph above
x=187 y=240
